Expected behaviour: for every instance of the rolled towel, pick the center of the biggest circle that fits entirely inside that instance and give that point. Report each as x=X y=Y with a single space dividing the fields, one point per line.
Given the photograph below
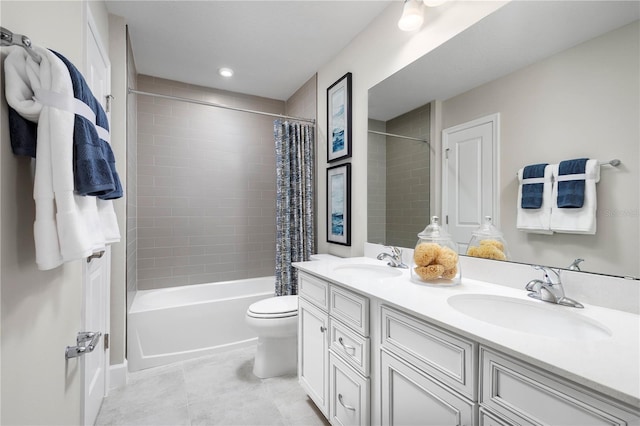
x=571 y=183
x=533 y=186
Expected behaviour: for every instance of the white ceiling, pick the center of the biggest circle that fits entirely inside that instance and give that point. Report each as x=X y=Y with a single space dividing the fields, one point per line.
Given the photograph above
x=516 y=35
x=274 y=47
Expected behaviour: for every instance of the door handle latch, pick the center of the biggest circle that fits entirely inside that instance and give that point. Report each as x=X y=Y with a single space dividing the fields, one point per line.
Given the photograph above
x=81 y=347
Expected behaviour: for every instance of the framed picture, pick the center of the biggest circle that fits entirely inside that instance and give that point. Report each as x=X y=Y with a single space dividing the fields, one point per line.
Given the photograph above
x=339 y=119
x=339 y=204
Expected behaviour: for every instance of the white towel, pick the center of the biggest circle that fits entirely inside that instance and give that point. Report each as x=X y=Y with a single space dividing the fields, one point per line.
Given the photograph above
x=577 y=220
x=67 y=226
x=536 y=221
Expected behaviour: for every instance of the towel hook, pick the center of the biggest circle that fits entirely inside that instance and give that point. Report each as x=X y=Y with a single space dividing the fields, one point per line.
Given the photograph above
x=8 y=38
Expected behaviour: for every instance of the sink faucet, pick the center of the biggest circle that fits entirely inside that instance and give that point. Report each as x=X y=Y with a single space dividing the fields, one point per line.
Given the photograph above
x=394 y=259
x=549 y=288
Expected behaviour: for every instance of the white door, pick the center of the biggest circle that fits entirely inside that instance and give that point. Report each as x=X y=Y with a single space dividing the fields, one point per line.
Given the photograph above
x=470 y=177
x=313 y=350
x=96 y=274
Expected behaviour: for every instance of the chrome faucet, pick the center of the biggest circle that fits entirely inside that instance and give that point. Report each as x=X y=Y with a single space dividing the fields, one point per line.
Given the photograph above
x=549 y=288
x=575 y=265
x=394 y=259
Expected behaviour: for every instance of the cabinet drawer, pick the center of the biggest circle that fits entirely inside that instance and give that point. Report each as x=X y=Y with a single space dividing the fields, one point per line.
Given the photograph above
x=447 y=357
x=351 y=308
x=530 y=396
x=349 y=394
x=314 y=290
x=411 y=397
x=352 y=347
x=489 y=419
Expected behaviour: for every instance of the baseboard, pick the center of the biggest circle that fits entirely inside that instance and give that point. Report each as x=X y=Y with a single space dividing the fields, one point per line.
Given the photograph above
x=118 y=375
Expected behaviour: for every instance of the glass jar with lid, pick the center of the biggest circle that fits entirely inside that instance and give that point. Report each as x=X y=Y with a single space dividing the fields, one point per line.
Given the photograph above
x=435 y=258
x=487 y=242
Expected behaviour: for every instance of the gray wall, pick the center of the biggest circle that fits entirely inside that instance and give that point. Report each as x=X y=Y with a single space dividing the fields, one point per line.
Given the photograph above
x=582 y=102
x=377 y=184
x=407 y=186
x=206 y=187
x=398 y=179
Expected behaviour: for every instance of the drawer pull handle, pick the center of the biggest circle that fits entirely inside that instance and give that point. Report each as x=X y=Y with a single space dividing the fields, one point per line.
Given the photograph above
x=346 y=347
x=348 y=407
x=323 y=329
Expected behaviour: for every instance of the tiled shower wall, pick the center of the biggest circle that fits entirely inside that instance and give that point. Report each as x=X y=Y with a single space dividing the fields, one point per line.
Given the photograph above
x=407 y=188
x=377 y=183
x=206 y=186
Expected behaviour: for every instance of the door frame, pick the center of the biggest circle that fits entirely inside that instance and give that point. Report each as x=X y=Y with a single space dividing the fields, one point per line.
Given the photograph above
x=92 y=31
x=494 y=120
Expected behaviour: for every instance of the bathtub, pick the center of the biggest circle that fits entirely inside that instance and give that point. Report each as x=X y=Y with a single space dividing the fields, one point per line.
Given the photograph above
x=178 y=323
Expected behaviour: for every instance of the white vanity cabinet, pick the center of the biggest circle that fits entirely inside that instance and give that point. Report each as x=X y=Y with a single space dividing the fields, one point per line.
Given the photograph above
x=334 y=350
x=428 y=374
x=522 y=394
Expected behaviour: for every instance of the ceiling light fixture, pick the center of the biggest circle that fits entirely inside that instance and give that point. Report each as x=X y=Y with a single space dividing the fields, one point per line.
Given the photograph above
x=434 y=3
x=225 y=72
x=412 y=16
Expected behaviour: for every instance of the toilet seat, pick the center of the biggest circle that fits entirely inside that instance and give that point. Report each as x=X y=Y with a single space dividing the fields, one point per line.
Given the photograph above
x=274 y=307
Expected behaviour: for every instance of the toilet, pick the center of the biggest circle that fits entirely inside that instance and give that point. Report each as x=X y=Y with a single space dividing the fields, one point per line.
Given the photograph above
x=275 y=320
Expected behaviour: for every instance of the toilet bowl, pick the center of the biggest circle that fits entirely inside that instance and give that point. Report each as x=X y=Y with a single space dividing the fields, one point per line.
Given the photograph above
x=275 y=320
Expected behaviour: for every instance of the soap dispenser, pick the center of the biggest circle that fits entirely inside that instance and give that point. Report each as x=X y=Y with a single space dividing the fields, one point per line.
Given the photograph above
x=435 y=259
x=487 y=242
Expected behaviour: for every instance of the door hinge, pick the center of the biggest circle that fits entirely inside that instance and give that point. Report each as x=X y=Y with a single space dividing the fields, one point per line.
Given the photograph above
x=106 y=341
x=110 y=99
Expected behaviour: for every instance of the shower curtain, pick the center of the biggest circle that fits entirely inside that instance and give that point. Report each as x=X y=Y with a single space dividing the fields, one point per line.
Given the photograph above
x=294 y=201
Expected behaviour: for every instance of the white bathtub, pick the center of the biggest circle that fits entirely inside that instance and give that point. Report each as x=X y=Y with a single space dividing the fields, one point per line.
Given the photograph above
x=178 y=323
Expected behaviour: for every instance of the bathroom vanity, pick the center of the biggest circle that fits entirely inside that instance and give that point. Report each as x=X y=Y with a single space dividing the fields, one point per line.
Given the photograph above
x=375 y=348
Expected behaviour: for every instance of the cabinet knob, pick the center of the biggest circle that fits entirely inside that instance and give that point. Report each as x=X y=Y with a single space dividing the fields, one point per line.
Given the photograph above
x=323 y=329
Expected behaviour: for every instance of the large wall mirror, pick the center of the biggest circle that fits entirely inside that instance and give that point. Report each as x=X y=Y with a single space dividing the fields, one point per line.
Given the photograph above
x=564 y=78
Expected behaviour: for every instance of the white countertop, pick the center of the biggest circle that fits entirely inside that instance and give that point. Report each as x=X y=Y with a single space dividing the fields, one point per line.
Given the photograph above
x=610 y=365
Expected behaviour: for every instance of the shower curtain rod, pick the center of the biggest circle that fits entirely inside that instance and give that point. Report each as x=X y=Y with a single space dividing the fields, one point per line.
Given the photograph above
x=398 y=136
x=196 y=101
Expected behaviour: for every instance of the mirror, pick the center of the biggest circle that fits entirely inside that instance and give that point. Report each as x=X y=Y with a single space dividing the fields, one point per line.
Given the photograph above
x=564 y=78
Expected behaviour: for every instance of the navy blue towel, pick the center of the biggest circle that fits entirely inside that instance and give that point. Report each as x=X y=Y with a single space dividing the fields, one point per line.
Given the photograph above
x=23 y=134
x=94 y=170
x=532 y=192
x=571 y=192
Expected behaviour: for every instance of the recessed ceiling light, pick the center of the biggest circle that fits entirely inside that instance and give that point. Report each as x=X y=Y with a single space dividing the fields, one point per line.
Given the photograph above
x=225 y=72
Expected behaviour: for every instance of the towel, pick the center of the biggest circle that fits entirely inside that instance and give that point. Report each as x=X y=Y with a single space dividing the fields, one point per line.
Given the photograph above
x=533 y=186
x=23 y=134
x=571 y=192
x=536 y=220
x=67 y=226
x=59 y=229
x=580 y=220
x=94 y=163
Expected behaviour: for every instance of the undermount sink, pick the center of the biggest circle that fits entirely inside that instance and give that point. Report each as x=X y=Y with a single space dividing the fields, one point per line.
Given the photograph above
x=533 y=317
x=366 y=271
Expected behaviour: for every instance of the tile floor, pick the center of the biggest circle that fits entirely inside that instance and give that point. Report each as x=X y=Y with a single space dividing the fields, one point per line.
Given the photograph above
x=215 y=390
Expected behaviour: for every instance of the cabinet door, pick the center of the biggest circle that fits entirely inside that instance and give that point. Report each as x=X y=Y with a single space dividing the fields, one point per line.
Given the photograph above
x=313 y=354
x=410 y=397
x=348 y=394
x=531 y=396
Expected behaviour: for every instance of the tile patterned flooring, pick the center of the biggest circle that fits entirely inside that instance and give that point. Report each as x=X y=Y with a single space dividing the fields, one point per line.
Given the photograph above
x=215 y=390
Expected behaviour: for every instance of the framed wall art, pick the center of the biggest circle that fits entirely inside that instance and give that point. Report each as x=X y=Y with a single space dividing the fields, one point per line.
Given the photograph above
x=339 y=119
x=339 y=204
